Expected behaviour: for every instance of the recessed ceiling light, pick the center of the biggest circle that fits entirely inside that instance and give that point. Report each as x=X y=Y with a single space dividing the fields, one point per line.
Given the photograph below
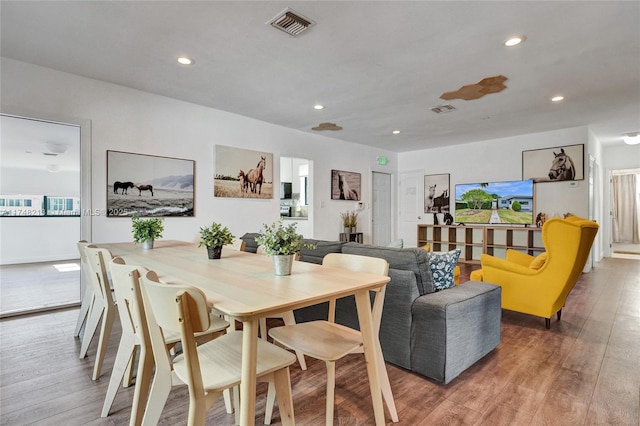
x=514 y=41
x=185 y=60
x=395 y=132
x=318 y=106
x=557 y=98
x=631 y=138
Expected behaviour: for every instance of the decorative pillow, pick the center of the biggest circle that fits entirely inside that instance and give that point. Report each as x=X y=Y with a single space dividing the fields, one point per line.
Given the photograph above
x=396 y=243
x=442 y=266
x=425 y=247
x=538 y=261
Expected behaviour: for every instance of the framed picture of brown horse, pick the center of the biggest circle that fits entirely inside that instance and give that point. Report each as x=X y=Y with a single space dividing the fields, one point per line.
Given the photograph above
x=242 y=173
x=555 y=164
x=149 y=185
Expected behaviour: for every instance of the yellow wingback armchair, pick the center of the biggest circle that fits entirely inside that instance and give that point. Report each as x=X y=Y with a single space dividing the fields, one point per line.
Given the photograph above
x=540 y=285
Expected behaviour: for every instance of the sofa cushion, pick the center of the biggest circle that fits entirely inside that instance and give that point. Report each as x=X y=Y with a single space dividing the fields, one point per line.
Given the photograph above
x=399 y=243
x=411 y=259
x=443 y=265
x=322 y=248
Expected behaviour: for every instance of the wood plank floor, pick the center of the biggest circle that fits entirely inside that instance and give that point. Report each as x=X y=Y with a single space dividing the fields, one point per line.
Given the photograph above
x=584 y=371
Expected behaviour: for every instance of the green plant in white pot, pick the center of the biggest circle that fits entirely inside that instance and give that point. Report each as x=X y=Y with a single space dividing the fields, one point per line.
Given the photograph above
x=214 y=237
x=282 y=243
x=146 y=231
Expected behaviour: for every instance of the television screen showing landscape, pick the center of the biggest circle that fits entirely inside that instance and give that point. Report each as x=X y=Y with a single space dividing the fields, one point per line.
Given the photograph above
x=508 y=202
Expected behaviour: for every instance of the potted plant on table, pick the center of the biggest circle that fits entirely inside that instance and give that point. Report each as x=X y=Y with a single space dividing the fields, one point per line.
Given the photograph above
x=214 y=237
x=146 y=231
x=282 y=243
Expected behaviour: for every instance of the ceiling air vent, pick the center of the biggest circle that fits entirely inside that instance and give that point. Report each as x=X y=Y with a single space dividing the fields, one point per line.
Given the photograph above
x=441 y=109
x=291 y=22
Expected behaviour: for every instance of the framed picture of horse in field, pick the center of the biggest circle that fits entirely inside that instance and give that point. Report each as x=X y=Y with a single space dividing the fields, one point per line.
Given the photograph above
x=149 y=185
x=436 y=193
x=554 y=164
x=242 y=173
x=345 y=185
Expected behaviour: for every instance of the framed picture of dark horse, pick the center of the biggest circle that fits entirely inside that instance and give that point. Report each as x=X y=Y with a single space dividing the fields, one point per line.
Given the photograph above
x=242 y=173
x=554 y=164
x=436 y=193
x=149 y=185
x=345 y=185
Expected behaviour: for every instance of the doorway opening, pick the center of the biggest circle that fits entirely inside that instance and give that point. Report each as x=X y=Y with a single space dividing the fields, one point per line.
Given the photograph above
x=625 y=214
x=40 y=215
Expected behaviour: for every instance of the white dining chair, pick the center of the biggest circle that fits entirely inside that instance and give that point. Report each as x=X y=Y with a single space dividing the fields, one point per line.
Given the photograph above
x=328 y=341
x=103 y=310
x=207 y=369
x=135 y=338
x=88 y=295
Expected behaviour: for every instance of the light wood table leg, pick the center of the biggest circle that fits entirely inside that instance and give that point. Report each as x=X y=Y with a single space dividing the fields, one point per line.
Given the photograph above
x=369 y=342
x=248 y=375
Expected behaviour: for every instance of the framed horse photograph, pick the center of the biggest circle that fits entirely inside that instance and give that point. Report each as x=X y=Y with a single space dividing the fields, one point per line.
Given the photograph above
x=242 y=173
x=149 y=185
x=436 y=193
x=346 y=185
x=554 y=164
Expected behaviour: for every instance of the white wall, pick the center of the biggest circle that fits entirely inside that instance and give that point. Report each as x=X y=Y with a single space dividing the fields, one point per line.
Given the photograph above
x=128 y=120
x=619 y=157
x=501 y=159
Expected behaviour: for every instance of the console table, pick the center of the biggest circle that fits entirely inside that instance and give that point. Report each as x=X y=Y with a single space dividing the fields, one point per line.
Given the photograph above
x=351 y=237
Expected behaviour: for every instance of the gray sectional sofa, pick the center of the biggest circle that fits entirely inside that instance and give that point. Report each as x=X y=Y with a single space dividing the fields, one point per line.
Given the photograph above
x=435 y=334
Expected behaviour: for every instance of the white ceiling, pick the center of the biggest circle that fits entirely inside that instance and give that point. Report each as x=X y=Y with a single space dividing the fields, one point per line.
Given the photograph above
x=377 y=66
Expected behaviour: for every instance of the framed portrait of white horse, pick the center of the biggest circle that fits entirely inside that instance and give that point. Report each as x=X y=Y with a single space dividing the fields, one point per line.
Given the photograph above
x=242 y=173
x=345 y=185
x=148 y=185
x=554 y=164
x=436 y=193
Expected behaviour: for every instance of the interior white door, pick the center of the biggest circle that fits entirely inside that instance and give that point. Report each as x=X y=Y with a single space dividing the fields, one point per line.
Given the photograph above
x=381 y=208
x=410 y=201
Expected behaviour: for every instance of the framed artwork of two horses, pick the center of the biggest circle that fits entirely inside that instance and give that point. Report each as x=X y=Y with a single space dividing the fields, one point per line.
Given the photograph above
x=554 y=164
x=242 y=173
x=436 y=193
x=148 y=185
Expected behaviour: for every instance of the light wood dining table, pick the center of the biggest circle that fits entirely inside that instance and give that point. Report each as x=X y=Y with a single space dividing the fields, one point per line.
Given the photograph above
x=243 y=286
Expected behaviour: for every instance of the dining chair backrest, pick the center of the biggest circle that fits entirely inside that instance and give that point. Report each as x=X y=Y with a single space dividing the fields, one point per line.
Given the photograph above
x=125 y=279
x=354 y=262
x=97 y=259
x=177 y=308
x=89 y=273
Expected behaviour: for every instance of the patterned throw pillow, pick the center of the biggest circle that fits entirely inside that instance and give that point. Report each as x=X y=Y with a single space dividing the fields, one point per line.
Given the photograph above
x=442 y=265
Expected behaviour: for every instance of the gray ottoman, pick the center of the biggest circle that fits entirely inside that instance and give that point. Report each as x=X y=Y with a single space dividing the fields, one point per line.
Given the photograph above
x=454 y=328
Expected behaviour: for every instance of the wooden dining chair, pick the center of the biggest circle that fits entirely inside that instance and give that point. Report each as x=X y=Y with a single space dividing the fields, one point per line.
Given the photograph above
x=135 y=338
x=104 y=307
x=89 y=294
x=328 y=341
x=207 y=369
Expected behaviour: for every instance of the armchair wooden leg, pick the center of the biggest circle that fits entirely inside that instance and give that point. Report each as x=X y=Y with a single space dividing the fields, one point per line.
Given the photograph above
x=559 y=314
x=547 y=323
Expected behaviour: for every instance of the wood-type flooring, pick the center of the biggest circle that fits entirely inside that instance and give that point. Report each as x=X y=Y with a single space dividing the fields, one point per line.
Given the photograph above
x=585 y=370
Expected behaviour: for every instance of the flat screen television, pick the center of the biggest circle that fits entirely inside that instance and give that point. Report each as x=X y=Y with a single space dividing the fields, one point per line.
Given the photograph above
x=506 y=202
